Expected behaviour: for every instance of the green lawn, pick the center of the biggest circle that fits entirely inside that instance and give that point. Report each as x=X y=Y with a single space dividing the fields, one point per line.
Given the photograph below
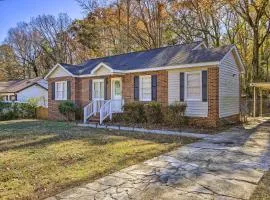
x=41 y=158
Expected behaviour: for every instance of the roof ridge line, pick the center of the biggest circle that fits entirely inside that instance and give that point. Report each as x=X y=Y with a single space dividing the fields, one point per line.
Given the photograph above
x=173 y=45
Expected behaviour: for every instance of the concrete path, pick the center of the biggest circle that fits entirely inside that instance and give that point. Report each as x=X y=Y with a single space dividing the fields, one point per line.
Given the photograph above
x=227 y=166
x=150 y=131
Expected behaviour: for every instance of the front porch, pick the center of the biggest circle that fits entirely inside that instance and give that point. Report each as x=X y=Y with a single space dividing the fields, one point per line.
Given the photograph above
x=106 y=98
x=102 y=108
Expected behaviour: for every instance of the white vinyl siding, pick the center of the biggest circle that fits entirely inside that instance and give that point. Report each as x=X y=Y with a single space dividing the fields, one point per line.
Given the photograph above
x=228 y=87
x=34 y=92
x=102 y=71
x=195 y=108
x=145 y=88
x=61 y=90
x=59 y=72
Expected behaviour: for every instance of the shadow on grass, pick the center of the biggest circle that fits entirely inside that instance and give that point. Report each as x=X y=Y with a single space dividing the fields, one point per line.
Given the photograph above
x=28 y=134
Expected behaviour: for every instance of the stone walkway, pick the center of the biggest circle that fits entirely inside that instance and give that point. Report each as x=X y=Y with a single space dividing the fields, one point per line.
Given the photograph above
x=227 y=166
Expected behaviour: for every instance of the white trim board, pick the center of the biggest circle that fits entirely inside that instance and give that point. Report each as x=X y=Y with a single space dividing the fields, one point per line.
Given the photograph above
x=54 y=68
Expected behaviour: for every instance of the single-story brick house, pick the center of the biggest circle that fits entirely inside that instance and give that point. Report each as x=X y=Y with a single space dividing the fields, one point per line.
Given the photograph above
x=206 y=79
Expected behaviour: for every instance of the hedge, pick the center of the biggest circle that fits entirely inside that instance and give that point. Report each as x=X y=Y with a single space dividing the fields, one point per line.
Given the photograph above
x=14 y=110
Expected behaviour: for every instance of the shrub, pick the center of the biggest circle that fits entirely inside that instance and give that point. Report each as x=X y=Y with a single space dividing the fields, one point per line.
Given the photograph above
x=117 y=117
x=134 y=112
x=25 y=110
x=153 y=113
x=175 y=115
x=79 y=113
x=68 y=109
x=9 y=111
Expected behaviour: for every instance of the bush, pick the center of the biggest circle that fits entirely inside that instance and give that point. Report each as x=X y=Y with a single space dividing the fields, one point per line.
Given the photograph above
x=153 y=113
x=26 y=110
x=134 y=112
x=118 y=117
x=175 y=115
x=9 y=111
x=68 y=109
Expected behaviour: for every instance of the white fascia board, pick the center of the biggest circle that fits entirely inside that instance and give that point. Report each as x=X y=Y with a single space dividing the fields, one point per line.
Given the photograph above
x=101 y=65
x=202 y=43
x=243 y=69
x=240 y=60
x=115 y=72
x=120 y=72
x=54 y=68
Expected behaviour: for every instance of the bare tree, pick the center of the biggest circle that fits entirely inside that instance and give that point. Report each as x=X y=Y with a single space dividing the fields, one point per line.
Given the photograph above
x=21 y=39
x=253 y=12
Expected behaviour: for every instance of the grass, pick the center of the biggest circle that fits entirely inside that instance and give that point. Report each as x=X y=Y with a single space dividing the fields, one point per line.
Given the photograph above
x=41 y=158
x=262 y=191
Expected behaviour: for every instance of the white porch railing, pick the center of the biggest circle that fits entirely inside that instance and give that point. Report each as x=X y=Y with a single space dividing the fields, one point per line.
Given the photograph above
x=110 y=107
x=105 y=107
x=105 y=111
x=92 y=109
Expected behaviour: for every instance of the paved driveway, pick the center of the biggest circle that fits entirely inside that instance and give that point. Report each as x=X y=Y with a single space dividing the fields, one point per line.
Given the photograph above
x=227 y=166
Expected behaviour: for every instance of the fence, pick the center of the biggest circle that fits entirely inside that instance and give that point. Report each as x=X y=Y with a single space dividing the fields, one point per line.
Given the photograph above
x=247 y=107
x=42 y=113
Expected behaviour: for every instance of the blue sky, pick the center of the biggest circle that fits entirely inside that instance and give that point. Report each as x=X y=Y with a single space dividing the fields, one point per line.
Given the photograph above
x=14 y=11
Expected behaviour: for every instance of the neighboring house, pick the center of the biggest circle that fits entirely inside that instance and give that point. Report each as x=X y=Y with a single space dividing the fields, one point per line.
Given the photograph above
x=24 y=90
x=206 y=79
x=5 y=84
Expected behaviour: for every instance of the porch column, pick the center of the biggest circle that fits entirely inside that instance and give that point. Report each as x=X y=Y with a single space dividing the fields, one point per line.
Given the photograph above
x=254 y=102
x=261 y=103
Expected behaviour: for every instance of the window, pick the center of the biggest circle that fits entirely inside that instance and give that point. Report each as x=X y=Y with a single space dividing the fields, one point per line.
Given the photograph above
x=145 y=88
x=61 y=90
x=12 y=98
x=98 y=88
x=193 y=86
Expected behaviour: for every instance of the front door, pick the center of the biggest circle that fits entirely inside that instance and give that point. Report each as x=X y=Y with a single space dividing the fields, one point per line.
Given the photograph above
x=116 y=88
x=116 y=94
x=98 y=89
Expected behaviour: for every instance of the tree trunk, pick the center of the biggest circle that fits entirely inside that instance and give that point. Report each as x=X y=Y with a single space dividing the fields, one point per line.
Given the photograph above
x=128 y=26
x=35 y=70
x=255 y=58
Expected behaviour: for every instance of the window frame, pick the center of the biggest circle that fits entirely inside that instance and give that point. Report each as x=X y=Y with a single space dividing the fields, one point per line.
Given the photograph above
x=186 y=86
x=56 y=91
x=140 y=88
x=99 y=81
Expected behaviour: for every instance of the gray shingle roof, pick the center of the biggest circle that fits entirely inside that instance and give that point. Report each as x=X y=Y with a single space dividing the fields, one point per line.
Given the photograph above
x=21 y=85
x=160 y=57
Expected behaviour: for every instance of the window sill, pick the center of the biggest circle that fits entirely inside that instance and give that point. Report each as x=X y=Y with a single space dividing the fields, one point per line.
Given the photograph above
x=193 y=100
x=60 y=100
x=143 y=100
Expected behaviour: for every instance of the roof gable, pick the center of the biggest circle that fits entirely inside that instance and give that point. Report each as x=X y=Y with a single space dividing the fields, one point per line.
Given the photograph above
x=102 y=69
x=237 y=59
x=58 y=71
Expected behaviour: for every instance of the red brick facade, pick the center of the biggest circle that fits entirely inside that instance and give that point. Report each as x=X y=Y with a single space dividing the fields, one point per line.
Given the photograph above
x=54 y=113
x=162 y=86
x=80 y=94
x=213 y=101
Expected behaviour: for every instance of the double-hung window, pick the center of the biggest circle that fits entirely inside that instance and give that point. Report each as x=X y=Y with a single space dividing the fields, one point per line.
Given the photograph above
x=61 y=90
x=193 y=86
x=145 y=88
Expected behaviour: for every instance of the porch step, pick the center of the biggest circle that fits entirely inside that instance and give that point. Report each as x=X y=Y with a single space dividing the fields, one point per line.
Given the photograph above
x=94 y=119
